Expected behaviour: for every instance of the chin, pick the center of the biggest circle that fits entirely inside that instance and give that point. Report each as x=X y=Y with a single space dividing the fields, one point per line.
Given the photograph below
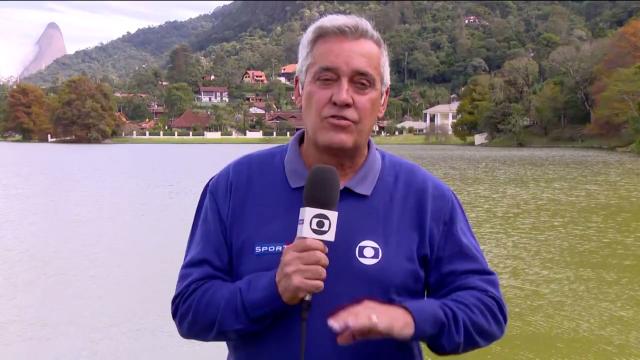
x=337 y=142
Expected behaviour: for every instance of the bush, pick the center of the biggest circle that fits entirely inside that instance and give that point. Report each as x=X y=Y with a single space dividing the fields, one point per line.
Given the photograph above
x=636 y=147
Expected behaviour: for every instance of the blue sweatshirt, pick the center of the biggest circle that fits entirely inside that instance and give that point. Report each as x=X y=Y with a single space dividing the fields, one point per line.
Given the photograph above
x=402 y=238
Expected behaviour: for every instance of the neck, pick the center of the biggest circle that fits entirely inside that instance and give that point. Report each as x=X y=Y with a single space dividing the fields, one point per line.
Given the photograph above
x=346 y=163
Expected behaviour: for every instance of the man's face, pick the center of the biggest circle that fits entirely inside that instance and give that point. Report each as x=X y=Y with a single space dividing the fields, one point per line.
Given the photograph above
x=342 y=95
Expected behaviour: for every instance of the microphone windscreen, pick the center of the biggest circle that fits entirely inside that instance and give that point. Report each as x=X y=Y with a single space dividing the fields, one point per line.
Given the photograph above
x=322 y=189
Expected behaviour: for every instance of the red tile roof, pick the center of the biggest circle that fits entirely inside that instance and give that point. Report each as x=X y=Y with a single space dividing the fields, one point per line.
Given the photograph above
x=190 y=119
x=291 y=68
x=148 y=124
x=255 y=76
x=293 y=117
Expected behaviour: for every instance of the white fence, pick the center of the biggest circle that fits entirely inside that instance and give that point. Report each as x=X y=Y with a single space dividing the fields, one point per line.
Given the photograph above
x=206 y=135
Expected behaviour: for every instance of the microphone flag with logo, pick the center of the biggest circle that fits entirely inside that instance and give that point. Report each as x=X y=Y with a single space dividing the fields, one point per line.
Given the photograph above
x=318 y=218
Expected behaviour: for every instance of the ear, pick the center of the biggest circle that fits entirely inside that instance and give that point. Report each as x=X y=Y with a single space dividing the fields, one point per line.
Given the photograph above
x=384 y=102
x=297 y=91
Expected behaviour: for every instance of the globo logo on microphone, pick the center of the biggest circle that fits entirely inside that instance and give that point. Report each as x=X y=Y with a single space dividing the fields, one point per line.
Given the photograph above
x=317 y=223
x=320 y=224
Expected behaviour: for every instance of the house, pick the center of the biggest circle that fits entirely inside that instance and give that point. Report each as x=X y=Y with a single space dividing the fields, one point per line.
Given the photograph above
x=256 y=110
x=380 y=125
x=190 y=120
x=212 y=95
x=254 y=77
x=255 y=100
x=292 y=119
x=155 y=109
x=443 y=115
x=474 y=20
x=418 y=126
x=288 y=73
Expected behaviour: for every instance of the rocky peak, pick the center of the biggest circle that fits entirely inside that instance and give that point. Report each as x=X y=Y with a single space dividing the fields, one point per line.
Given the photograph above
x=50 y=46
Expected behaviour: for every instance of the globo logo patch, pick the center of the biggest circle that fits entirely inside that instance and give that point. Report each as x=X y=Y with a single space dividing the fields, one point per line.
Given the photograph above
x=368 y=252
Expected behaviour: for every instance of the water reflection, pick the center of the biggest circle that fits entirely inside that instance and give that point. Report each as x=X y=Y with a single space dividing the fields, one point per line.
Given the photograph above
x=562 y=229
x=91 y=238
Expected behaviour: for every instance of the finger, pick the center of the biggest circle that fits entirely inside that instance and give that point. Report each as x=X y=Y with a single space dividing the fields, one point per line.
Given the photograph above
x=308 y=244
x=313 y=272
x=359 y=317
x=313 y=258
x=351 y=336
x=310 y=287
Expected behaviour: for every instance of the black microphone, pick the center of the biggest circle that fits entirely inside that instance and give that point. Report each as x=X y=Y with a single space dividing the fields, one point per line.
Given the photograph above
x=322 y=189
x=318 y=220
x=318 y=217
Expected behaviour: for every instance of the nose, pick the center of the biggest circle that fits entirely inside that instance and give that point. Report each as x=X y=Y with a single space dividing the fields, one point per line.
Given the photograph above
x=342 y=94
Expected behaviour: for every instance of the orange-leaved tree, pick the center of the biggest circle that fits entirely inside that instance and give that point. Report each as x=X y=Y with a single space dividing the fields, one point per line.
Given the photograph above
x=28 y=112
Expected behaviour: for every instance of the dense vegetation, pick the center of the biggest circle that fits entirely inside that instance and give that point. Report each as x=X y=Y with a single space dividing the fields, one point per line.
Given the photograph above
x=558 y=65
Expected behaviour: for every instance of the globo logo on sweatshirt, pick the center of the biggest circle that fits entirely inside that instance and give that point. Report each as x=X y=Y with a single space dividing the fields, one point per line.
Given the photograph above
x=368 y=252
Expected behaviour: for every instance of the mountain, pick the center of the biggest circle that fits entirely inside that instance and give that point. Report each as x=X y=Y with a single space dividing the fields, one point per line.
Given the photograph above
x=429 y=42
x=49 y=47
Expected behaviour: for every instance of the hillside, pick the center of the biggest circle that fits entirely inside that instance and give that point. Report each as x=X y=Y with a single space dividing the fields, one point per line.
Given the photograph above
x=429 y=42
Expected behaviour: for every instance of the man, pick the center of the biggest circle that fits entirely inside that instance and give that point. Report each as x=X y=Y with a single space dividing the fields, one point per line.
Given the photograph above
x=401 y=233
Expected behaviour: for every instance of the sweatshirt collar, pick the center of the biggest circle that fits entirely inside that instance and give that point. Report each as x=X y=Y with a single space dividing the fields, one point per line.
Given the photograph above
x=362 y=182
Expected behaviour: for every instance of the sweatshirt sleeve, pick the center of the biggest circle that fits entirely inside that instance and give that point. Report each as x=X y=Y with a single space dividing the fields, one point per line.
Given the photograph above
x=209 y=304
x=464 y=309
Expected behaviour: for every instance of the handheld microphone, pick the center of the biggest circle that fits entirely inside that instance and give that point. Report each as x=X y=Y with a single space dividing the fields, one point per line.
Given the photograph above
x=317 y=220
x=318 y=217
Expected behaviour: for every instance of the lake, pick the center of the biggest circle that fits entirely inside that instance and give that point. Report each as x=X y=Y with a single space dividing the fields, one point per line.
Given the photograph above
x=92 y=237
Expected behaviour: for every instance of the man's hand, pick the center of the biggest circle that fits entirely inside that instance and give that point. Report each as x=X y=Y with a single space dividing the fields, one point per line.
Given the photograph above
x=372 y=320
x=302 y=269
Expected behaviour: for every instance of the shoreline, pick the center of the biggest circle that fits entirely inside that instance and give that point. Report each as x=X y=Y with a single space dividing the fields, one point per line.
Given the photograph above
x=379 y=140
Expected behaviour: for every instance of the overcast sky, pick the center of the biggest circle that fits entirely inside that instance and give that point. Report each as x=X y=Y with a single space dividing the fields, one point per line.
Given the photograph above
x=83 y=23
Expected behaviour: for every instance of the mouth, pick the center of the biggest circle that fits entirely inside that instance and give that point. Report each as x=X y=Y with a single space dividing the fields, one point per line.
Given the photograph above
x=339 y=120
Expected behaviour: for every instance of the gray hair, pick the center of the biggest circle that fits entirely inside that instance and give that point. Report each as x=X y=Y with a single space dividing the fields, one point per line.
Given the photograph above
x=349 y=26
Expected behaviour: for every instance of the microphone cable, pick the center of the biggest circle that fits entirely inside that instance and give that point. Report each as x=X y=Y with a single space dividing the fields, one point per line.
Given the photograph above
x=306 y=306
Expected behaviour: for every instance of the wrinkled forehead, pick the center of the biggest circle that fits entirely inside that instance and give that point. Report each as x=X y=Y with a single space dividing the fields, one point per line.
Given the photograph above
x=346 y=56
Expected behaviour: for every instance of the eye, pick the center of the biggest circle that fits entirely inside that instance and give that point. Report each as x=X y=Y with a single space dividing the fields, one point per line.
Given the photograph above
x=325 y=79
x=362 y=84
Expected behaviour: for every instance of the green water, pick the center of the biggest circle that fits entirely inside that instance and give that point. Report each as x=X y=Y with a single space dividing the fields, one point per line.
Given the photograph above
x=561 y=227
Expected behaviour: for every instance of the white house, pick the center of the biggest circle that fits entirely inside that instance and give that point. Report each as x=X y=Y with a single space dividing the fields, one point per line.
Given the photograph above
x=418 y=126
x=212 y=94
x=441 y=115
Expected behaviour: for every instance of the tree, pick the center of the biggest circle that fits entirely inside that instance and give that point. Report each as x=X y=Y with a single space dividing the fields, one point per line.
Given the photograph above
x=184 y=67
x=178 y=98
x=476 y=66
x=475 y=102
x=145 y=80
x=4 y=94
x=135 y=108
x=28 y=113
x=514 y=124
x=520 y=75
x=548 y=106
x=86 y=112
x=617 y=105
x=624 y=49
x=577 y=64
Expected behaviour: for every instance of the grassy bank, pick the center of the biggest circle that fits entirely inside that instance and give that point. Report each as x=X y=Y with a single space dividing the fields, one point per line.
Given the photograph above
x=381 y=140
x=569 y=138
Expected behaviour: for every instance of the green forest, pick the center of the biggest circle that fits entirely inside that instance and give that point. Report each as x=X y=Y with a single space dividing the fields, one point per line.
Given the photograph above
x=565 y=71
